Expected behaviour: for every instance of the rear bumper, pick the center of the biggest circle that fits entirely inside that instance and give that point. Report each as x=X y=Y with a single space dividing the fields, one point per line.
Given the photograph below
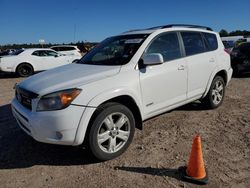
x=54 y=127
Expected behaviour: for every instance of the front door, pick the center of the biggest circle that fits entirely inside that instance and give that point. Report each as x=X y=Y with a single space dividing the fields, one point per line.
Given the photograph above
x=165 y=84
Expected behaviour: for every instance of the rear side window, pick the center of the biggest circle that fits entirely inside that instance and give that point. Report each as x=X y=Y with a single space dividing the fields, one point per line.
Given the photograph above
x=166 y=44
x=55 y=48
x=36 y=53
x=211 y=41
x=193 y=43
x=66 y=48
x=50 y=53
x=44 y=53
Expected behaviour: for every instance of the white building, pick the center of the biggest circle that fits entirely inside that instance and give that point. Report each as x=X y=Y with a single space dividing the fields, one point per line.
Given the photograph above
x=232 y=38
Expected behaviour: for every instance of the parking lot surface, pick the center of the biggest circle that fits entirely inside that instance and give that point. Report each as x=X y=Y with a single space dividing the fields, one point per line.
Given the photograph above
x=152 y=159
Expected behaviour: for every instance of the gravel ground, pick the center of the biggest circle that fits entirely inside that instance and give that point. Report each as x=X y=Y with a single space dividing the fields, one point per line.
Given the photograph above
x=152 y=159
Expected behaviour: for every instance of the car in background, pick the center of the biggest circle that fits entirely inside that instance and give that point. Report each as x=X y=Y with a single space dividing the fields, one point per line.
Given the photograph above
x=229 y=45
x=8 y=52
x=28 y=61
x=240 y=58
x=67 y=50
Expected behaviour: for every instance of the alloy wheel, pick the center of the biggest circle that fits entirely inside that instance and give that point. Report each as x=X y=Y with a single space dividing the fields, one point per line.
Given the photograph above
x=217 y=92
x=113 y=132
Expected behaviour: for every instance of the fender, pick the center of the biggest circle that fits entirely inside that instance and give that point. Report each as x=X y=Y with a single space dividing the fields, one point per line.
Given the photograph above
x=212 y=75
x=112 y=93
x=97 y=101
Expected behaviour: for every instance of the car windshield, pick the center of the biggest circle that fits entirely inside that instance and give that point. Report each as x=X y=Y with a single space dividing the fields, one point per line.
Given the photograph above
x=116 y=50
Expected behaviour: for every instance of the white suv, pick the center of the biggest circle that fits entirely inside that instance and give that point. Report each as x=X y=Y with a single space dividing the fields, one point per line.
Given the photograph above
x=123 y=81
x=67 y=50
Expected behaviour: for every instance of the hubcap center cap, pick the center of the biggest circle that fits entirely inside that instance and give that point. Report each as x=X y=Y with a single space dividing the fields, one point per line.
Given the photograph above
x=114 y=132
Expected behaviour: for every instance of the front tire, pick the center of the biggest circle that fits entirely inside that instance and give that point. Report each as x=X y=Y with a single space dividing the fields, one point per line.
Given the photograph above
x=24 y=70
x=216 y=93
x=112 y=131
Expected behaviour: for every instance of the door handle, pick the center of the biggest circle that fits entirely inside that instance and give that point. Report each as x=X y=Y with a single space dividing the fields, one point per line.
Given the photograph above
x=182 y=67
x=211 y=60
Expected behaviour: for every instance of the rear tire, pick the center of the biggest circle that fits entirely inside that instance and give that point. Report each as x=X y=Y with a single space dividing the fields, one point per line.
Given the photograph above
x=75 y=61
x=111 y=132
x=24 y=70
x=216 y=93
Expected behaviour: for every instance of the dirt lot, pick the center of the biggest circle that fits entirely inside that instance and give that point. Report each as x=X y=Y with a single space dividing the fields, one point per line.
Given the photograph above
x=152 y=159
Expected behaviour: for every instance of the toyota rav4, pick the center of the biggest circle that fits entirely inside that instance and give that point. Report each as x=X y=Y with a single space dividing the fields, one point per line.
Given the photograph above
x=123 y=81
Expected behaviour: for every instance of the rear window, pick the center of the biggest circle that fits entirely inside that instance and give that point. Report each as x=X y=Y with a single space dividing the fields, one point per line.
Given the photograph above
x=211 y=40
x=17 y=52
x=193 y=43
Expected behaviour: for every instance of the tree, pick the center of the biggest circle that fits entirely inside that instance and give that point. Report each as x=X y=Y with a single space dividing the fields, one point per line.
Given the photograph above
x=223 y=33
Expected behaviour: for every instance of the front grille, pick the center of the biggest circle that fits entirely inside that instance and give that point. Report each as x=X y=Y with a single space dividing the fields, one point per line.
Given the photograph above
x=25 y=97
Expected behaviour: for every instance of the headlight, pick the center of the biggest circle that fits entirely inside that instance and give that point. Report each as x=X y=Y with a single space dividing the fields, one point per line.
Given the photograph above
x=57 y=100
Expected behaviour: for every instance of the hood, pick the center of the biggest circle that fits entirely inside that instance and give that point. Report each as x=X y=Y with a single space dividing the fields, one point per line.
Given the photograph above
x=68 y=76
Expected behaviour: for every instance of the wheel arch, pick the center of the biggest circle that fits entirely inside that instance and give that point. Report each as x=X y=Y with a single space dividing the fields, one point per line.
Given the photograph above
x=25 y=62
x=222 y=73
x=75 y=60
x=90 y=113
x=130 y=103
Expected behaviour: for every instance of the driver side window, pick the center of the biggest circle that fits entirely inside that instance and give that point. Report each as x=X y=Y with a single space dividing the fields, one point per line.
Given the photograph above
x=167 y=45
x=50 y=53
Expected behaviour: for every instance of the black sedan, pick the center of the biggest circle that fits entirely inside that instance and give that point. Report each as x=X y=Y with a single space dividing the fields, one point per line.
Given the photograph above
x=240 y=58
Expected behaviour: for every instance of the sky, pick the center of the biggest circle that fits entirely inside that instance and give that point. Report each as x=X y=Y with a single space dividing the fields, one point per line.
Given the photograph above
x=65 y=21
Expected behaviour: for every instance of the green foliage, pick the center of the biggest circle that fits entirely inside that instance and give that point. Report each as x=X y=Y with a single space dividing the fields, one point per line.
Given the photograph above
x=224 y=33
x=80 y=44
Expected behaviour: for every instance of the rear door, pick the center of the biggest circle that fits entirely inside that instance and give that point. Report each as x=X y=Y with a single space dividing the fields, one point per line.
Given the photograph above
x=54 y=59
x=200 y=62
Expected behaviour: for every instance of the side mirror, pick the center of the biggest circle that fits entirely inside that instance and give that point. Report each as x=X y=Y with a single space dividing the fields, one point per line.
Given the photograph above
x=152 y=59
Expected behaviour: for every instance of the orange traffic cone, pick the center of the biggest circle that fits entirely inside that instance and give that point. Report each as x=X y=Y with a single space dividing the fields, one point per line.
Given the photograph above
x=195 y=172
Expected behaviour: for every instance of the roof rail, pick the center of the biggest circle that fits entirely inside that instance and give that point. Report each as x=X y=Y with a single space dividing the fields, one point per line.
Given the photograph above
x=182 y=25
x=132 y=30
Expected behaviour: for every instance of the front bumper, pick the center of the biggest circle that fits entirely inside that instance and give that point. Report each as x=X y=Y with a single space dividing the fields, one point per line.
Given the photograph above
x=54 y=127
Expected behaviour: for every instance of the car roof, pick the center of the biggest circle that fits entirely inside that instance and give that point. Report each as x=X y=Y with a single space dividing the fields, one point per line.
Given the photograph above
x=29 y=51
x=34 y=49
